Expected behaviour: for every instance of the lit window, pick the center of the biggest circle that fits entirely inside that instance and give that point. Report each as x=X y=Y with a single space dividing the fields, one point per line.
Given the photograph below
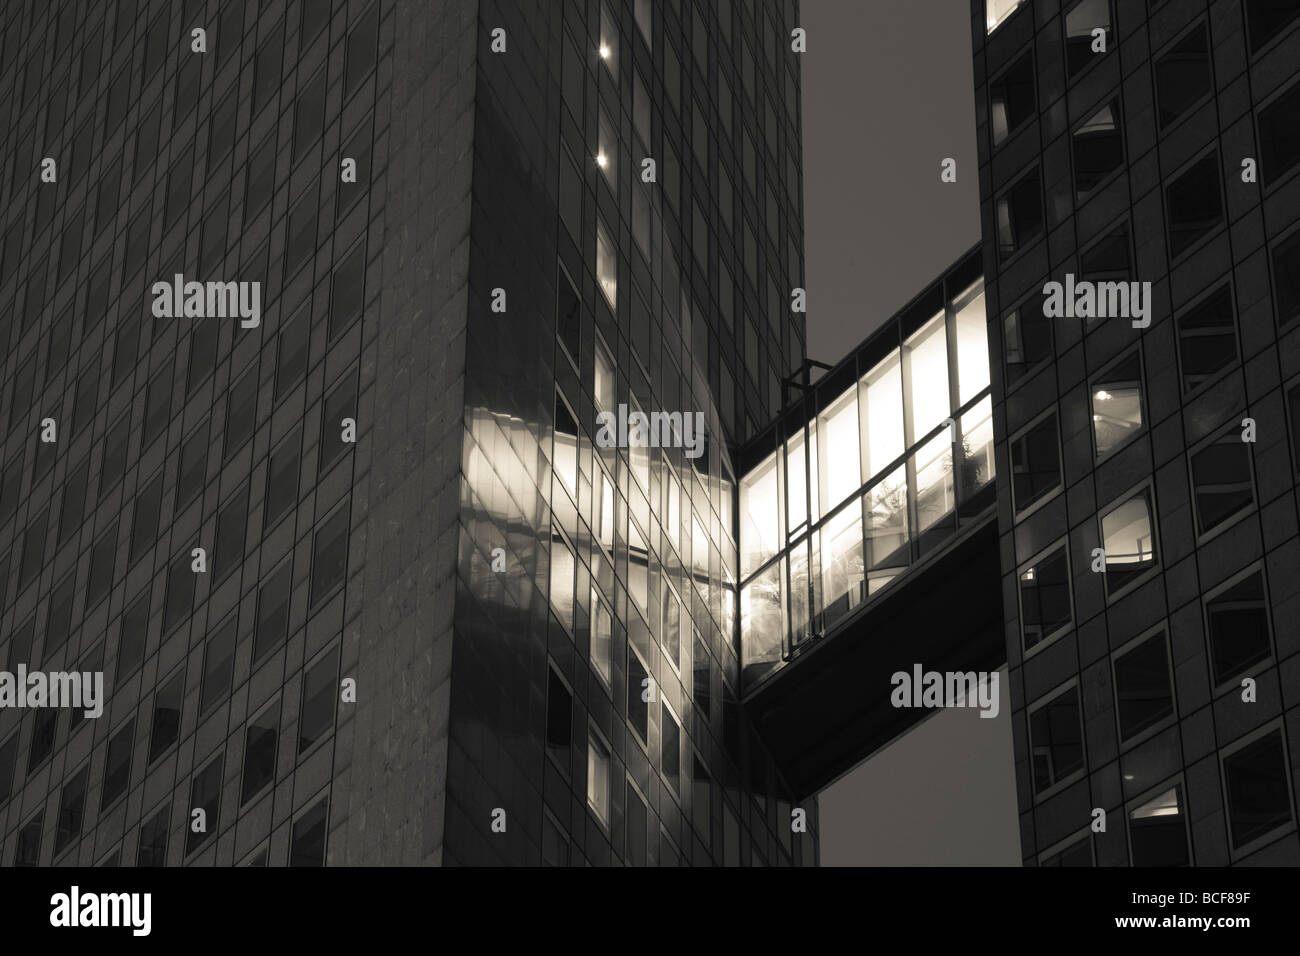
x=566 y=446
x=1056 y=740
x=925 y=355
x=1128 y=541
x=972 y=343
x=1117 y=405
x=606 y=266
x=996 y=11
x=603 y=383
x=598 y=778
x=562 y=582
x=603 y=519
x=797 y=486
x=608 y=48
x=760 y=515
x=1158 y=831
x=881 y=396
x=607 y=148
x=837 y=448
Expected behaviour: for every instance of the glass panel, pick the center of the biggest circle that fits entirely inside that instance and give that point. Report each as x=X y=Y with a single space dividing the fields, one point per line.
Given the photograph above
x=881 y=397
x=934 y=485
x=841 y=561
x=801 y=627
x=796 y=486
x=762 y=622
x=972 y=344
x=978 y=468
x=606 y=266
x=604 y=381
x=995 y=11
x=885 y=508
x=840 y=458
x=1117 y=406
x=760 y=516
x=926 y=354
x=1128 y=543
x=1158 y=831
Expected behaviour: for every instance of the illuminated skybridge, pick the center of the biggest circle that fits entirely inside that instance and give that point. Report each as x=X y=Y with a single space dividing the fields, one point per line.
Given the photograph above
x=868 y=534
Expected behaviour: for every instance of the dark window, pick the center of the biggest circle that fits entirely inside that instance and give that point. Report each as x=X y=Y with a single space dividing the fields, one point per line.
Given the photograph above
x=28 y=849
x=113 y=463
x=301 y=242
x=83 y=410
x=341 y=403
x=1259 y=800
x=363 y=41
x=1238 y=623
x=194 y=467
x=144 y=521
x=155 y=47
x=58 y=621
x=307 y=845
x=639 y=688
x=1142 y=686
x=241 y=412
x=570 y=195
x=11 y=487
x=291 y=351
x=56 y=356
x=1035 y=463
x=1076 y=854
x=205 y=795
x=1098 y=149
x=1279 y=135
x=187 y=87
x=357 y=148
x=73 y=507
x=180 y=593
x=568 y=316
x=132 y=636
x=1045 y=598
x=45 y=729
x=1158 y=830
x=700 y=689
x=1083 y=18
x=1265 y=19
x=261 y=177
x=266 y=70
x=670 y=747
x=1183 y=75
x=146 y=153
x=259 y=752
x=103 y=559
x=158 y=404
x=282 y=479
x=166 y=717
x=153 y=840
x=1019 y=215
x=72 y=811
x=1108 y=260
x=218 y=665
x=700 y=786
x=20 y=645
x=97 y=296
x=315 y=15
x=8 y=758
x=318 y=691
x=231 y=29
x=1117 y=404
x=1286 y=279
x=1128 y=540
x=272 y=613
x=330 y=555
x=24 y=383
x=1194 y=204
x=119 y=98
x=559 y=719
x=309 y=114
x=33 y=550
x=1056 y=740
x=178 y=189
x=232 y=531
x=124 y=351
x=221 y=139
x=636 y=828
x=1221 y=480
x=347 y=291
x=203 y=353
x=1293 y=403
x=117 y=765
x=91 y=662
x=1012 y=98
x=106 y=201
x=1207 y=338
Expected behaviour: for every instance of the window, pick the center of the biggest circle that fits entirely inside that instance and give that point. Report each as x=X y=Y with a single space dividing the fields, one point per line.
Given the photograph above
x=221 y=140
x=1078 y=853
x=58 y=621
x=562 y=568
x=996 y=11
x=86 y=405
x=598 y=777
x=203 y=353
x=33 y=550
x=261 y=177
x=1108 y=260
x=92 y=662
x=132 y=634
x=291 y=351
x=1128 y=541
x=602 y=638
x=1158 y=830
x=559 y=719
x=8 y=758
x=1237 y=619
x=1012 y=99
x=1035 y=463
x=318 y=691
x=272 y=613
x=166 y=716
x=565 y=451
x=10 y=487
x=28 y=850
x=103 y=558
x=179 y=180
x=232 y=528
x=603 y=383
x=1221 y=480
x=606 y=266
x=925 y=365
x=1117 y=405
x=117 y=764
x=259 y=752
x=112 y=465
x=1098 y=149
x=282 y=479
x=1193 y=204
x=1265 y=19
x=241 y=413
x=568 y=315
x=1019 y=215
x=1056 y=740
x=1286 y=279
x=44 y=732
x=1279 y=135
x=180 y=592
x=1143 y=691
x=301 y=241
x=329 y=563
x=347 y=292
x=1207 y=338
x=363 y=41
x=72 y=806
x=205 y=795
x=309 y=114
x=1045 y=598
x=1083 y=18
x=194 y=467
x=266 y=70
x=1256 y=778
x=608 y=48
x=218 y=665
x=1183 y=75
x=636 y=827
x=315 y=15
x=607 y=151
x=641 y=9
x=670 y=747
x=358 y=148
x=307 y=844
x=1028 y=341
x=152 y=850
x=340 y=403
x=640 y=691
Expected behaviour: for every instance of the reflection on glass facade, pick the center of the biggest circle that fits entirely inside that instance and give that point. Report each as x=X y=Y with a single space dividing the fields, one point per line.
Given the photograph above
x=867 y=481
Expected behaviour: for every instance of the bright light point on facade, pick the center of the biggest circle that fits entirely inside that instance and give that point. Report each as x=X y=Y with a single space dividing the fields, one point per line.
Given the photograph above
x=992 y=22
x=1103 y=396
x=604 y=51
x=602 y=160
